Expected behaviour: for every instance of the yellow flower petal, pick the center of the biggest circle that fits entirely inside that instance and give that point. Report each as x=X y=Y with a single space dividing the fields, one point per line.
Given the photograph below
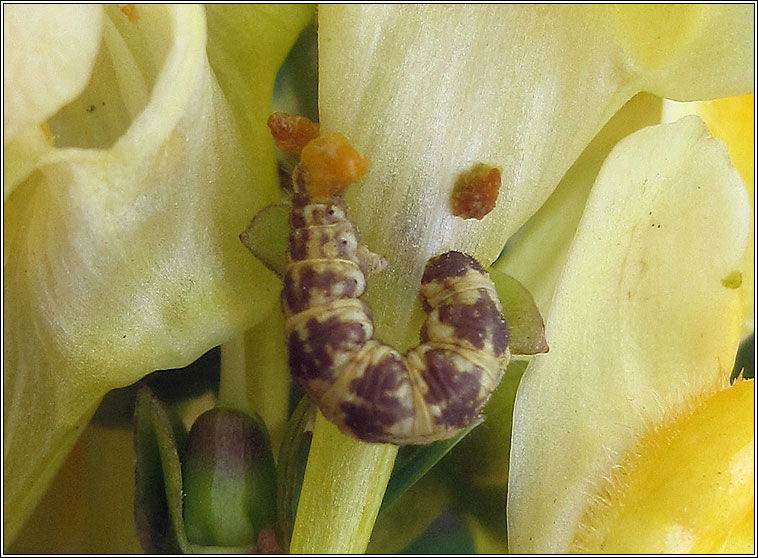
x=536 y=253
x=687 y=487
x=640 y=328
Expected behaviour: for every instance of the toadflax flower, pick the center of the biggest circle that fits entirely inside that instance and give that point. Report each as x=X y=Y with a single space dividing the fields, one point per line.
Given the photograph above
x=627 y=436
x=134 y=166
x=121 y=253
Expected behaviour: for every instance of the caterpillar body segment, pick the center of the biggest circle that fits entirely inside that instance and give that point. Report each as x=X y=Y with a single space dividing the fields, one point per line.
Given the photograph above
x=365 y=387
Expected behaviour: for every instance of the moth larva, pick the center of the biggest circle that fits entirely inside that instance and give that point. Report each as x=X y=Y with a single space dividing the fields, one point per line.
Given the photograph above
x=365 y=387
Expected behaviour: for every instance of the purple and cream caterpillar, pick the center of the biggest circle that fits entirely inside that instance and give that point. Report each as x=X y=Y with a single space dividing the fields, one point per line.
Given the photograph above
x=365 y=387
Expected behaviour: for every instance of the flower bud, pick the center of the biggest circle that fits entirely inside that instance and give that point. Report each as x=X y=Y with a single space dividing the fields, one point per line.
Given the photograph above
x=229 y=479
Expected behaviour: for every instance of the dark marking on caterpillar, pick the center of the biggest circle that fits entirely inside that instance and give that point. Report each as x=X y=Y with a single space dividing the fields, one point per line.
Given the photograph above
x=365 y=387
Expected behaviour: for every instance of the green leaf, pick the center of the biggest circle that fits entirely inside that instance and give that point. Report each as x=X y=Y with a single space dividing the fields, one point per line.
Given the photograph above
x=158 y=470
x=400 y=523
x=413 y=462
x=293 y=457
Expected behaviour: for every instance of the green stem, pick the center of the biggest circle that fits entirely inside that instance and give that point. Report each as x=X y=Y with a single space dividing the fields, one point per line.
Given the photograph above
x=255 y=376
x=268 y=379
x=233 y=384
x=342 y=491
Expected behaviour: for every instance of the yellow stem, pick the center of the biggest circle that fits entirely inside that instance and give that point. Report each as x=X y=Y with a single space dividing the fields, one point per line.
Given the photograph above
x=342 y=491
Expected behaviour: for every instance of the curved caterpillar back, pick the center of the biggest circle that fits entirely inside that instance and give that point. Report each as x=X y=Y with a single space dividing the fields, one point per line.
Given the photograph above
x=367 y=388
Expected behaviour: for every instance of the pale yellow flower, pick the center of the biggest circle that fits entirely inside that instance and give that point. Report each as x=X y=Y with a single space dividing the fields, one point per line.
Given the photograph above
x=626 y=436
x=136 y=151
x=121 y=249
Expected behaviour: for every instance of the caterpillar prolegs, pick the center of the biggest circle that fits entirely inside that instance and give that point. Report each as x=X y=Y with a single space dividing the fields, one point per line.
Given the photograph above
x=365 y=387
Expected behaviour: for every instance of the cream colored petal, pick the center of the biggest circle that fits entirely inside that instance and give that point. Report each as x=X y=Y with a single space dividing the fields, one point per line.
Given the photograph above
x=732 y=120
x=536 y=253
x=641 y=323
x=49 y=52
x=21 y=155
x=427 y=91
x=123 y=253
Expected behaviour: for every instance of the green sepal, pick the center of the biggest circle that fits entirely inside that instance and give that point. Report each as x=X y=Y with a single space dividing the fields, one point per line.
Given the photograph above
x=266 y=237
x=525 y=324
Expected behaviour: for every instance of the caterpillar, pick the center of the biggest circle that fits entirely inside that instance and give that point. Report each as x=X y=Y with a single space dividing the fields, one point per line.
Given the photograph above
x=365 y=387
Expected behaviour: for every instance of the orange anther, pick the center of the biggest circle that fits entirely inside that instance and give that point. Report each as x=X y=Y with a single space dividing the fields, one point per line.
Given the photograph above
x=475 y=192
x=292 y=132
x=130 y=11
x=328 y=165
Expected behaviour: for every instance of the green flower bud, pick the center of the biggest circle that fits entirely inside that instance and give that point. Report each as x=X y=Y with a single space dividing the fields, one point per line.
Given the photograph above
x=229 y=479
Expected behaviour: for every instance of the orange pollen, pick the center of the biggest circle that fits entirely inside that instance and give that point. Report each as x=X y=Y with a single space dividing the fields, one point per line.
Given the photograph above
x=328 y=165
x=292 y=132
x=475 y=192
x=130 y=11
